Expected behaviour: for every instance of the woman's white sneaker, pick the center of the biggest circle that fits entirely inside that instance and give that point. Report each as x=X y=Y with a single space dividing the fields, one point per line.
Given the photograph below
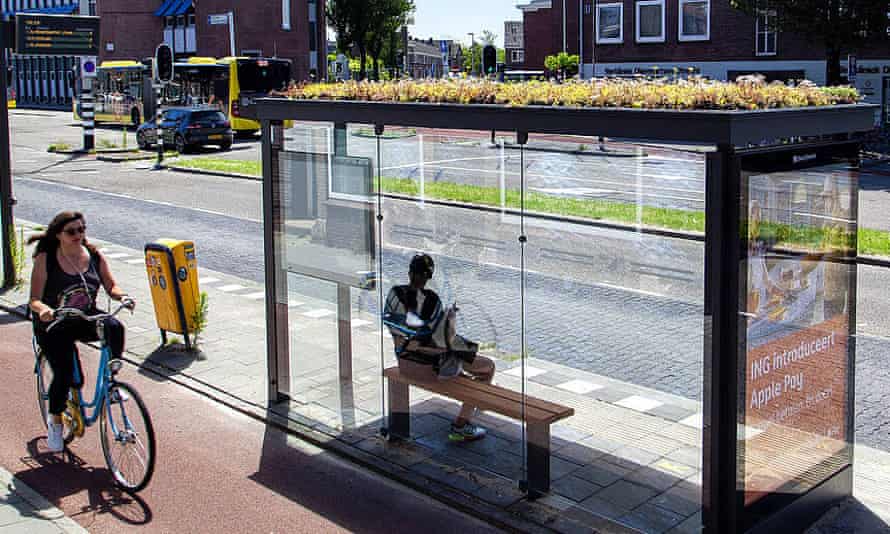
x=54 y=440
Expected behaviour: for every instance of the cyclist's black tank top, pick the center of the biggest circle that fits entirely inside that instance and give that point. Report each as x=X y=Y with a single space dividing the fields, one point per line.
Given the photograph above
x=65 y=290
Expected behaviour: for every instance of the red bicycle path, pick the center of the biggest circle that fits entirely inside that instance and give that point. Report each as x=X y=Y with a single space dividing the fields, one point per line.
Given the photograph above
x=217 y=470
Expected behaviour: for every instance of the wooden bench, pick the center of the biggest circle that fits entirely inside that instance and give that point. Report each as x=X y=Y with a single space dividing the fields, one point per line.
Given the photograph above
x=539 y=415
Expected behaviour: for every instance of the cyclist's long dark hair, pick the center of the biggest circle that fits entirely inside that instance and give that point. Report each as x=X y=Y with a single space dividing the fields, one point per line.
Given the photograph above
x=48 y=241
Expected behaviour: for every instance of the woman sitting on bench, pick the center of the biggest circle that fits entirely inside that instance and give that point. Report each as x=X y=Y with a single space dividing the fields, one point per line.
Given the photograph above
x=426 y=344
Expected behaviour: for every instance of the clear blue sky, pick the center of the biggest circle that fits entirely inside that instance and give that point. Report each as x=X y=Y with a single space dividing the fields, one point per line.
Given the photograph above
x=453 y=19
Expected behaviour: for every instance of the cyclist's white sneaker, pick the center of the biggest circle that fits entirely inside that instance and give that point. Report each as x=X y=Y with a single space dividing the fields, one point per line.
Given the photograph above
x=54 y=440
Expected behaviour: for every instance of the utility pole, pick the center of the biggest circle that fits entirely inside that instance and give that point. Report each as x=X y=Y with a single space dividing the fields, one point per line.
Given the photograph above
x=564 y=26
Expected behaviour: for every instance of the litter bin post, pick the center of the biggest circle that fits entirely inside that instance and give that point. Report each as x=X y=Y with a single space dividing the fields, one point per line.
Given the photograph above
x=172 y=270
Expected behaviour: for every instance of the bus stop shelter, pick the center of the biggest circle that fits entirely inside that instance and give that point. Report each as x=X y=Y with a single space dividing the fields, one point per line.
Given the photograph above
x=780 y=209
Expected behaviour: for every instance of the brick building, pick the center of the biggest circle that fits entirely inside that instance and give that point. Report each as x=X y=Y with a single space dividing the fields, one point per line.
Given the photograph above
x=514 y=45
x=705 y=37
x=292 y=29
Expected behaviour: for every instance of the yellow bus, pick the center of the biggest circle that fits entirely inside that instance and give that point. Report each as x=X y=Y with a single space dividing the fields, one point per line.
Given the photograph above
x=118 y=91
x=228 y=83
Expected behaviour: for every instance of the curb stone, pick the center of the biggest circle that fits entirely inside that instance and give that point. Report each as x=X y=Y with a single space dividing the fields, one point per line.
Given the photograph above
x=42 y=507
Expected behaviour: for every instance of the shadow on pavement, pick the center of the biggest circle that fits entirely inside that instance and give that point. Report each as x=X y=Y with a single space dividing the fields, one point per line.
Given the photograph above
x=173 y=356
x=353 y=498
x=56 y=476
x=851 y=516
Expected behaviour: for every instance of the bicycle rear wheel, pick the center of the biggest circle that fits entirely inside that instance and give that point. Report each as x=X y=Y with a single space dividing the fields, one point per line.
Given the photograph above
x=128 y=437
x=44 y=379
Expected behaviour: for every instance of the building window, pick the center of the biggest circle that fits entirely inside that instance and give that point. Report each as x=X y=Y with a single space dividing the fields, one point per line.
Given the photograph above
x=92 y=8
x=767 y=35
x=517 y=56
x=610 y=23
x=313 y=37
x=695 y=20
x=285 y=14
x=650 y=21
x=588 y=9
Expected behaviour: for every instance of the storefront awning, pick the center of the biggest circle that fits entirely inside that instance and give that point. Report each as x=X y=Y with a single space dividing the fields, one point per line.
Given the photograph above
x=66 y=9
x=173 y=7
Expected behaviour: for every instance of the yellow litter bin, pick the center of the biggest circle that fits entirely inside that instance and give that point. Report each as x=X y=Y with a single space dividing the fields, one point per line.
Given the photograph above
x=173 y=277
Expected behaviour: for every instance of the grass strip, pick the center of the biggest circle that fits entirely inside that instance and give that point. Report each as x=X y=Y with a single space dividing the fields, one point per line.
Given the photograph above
x=871 y=242
x=236 y=166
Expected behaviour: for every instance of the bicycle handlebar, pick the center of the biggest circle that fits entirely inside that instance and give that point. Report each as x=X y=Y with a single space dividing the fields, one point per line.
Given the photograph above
x=66 y=313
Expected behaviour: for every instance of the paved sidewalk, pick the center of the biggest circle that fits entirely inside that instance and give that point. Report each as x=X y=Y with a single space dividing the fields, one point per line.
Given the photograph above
x=22 y=510
x=630 y=454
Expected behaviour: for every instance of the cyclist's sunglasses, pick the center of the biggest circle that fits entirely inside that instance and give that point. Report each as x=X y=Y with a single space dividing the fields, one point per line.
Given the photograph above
x=74 y=231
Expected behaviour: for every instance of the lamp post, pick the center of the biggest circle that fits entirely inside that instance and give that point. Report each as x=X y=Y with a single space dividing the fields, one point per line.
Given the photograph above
x=472 y=52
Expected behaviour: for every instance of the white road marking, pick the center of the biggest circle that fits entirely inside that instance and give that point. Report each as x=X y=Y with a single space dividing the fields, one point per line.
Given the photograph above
x=294 y=303
x=208 y=280
x=116 y=255
x=259 y=295
x=356 y=323
x=135 y=261
x=147 y=201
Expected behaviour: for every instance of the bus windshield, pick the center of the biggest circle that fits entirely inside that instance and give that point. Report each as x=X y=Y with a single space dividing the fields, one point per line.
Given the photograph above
x=263 y=75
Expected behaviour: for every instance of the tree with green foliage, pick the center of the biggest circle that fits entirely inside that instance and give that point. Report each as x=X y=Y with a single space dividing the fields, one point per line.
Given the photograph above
x=367 y=26
x=563 y=63
x=838 y=25
x=386 y=17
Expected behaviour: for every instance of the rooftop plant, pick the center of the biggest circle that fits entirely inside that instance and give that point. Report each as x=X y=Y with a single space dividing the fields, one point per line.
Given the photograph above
x=747 y=93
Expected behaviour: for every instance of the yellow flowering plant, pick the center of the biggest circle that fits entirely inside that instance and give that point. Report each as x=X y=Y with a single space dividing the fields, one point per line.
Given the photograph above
x=746 y=93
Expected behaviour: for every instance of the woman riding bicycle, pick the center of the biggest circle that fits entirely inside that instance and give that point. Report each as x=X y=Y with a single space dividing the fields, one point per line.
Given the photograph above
x=67 y=273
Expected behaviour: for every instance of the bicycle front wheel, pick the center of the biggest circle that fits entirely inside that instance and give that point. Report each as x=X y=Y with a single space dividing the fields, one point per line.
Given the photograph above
x=128 y=437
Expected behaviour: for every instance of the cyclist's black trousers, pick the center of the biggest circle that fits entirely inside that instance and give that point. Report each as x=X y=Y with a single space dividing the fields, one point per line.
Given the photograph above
x=58 y=345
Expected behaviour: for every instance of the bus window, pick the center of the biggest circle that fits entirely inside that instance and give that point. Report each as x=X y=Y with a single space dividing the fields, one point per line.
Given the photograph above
x=262 y=76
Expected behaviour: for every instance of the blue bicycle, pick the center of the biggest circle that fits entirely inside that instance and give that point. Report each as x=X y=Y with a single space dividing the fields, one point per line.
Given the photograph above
x=125 y=429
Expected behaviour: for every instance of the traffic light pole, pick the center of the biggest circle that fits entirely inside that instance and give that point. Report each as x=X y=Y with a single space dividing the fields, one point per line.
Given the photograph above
x=7 y=222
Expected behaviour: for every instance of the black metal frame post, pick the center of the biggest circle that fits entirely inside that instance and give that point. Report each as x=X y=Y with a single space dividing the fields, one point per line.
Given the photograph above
x=275 y=248
x=720 y=401
x=7 y=222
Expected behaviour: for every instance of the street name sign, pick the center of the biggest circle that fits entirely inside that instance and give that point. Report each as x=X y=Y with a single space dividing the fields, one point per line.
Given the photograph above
x=214 y=20
x=57 y=35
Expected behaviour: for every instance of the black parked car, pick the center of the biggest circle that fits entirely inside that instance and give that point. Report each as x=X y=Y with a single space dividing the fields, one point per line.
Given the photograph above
x=187 y=128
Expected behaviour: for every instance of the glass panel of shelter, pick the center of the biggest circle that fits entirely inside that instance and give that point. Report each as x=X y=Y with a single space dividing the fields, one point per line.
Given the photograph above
x=451 y=226
x=613 y=325
x=329 y=216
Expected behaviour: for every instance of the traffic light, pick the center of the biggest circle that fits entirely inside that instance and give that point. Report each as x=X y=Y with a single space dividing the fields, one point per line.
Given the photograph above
x=163 y=63
x=489 y=59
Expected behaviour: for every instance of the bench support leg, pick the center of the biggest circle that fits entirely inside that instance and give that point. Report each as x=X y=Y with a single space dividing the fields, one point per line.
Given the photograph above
x=537 y=441
x=399 y=411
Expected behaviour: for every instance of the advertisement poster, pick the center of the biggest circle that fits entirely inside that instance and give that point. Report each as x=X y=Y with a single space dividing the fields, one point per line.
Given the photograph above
x=799 y=298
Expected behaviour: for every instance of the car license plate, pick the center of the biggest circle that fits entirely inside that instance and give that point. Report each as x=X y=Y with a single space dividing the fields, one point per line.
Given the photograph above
x=216 y=136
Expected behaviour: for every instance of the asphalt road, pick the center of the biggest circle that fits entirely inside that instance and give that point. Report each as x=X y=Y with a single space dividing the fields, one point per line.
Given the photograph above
x=216 y=471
